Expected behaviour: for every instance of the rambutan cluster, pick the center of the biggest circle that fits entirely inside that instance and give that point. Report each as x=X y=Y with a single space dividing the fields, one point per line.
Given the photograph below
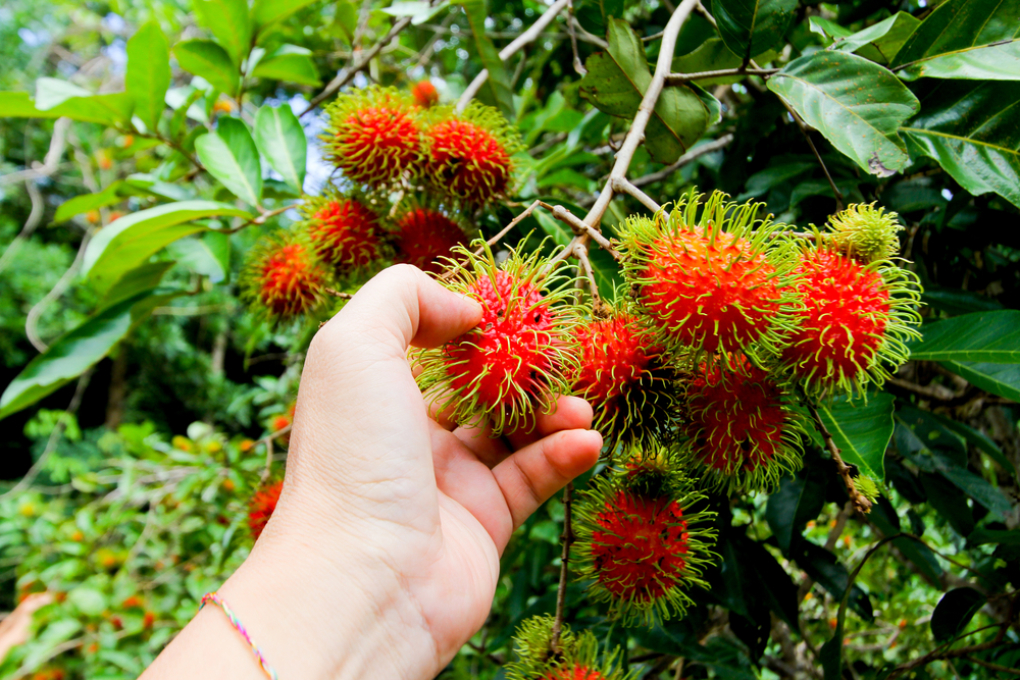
x=573 y=656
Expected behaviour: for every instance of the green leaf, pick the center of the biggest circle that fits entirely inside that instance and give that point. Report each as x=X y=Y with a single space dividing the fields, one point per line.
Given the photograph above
x=80 y=204
x=856 y=104
x=55 y=98
x=861 y=431
x=141 y=278
x=73 y=353
x=973 y=39
x=282 y=140
x=207 y=59
x=148 y=73
x=229 y=154
x=88 y=601
x=968 y=127
x=266 y=12
x=979 y=440
x=954 y=611
x=594 y=15
x=797 y=500
x=196 y=256
x=981 y=337
x=750 y=27
x=617 y=80
x=289 y=63
x=230 y=22
x=831 y=574
x=883 y=515
x=882 y=41
x=218 y=244
x=711 y=55
x=982 y=536
x=497 y=86
x=1000 y=379
x=132 y=239
x=420 y=11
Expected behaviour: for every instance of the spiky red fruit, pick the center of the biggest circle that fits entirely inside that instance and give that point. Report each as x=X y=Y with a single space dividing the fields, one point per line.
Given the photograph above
x=345 y=233
x=574 y=671
x=425 y=94
x=469 y=155
x=625 y=377
x=639 y=546
x=261 y=507
x=738 y=427
x=844 y=323
x=424 y=234
x=284 y=277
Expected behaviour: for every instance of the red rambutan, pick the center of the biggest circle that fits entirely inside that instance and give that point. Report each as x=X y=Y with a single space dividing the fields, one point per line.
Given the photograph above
x=855 y=321
x=283 y=277
x=574 y=671
x=640 y=541
x=470 y=153
x=517 y=357
x=423 y=235
x=425 y=94
x=261 y=507
x=373 y=135
x=711 y=283
x=576 y=658
x=626 y=377
x=740 y=431
x=345 y=232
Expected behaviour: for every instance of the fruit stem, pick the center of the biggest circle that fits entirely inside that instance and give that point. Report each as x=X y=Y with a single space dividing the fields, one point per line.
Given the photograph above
x=861 y=504
x=268 y=441
x=581 y=251
x=561 y=590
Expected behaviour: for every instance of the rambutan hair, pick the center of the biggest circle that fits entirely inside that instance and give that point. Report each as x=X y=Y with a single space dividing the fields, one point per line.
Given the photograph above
x=626 y=376
x=865 y=233
x=425 y=94
x=856 y=320
x=425 y=232
x=283 y=277
x=741 y=433
x=470 y=153
x=345 y=231
x=261 y=507
x=576 y=658
x=373 y=135
x=712 y=281
x=518 y=357
x=642 y=539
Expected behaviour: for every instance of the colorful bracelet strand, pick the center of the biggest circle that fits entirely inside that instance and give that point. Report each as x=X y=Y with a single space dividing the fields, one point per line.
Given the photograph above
x=215 y=598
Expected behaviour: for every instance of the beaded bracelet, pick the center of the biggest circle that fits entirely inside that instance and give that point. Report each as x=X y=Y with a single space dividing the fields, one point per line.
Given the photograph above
x=215 y=598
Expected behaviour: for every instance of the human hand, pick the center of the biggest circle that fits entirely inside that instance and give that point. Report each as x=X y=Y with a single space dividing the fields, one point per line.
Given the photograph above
x=382 y=556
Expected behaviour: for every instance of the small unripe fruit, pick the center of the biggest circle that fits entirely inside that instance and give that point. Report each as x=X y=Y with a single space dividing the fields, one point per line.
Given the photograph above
x=866 y=233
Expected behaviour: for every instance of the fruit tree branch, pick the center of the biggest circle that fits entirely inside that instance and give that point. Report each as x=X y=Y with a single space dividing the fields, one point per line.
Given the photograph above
x=561 y=589
x=580 y=229
x=681 y=78
x=694 y=153
x=861 y=504
x=582 y=255
x=622 y=185
x=523 y=39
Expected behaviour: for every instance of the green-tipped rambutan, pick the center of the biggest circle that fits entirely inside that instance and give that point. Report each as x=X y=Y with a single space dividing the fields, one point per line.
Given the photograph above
x=710 y=281
x=642 y=539
x=856 y=320
x=425 y=94
x=866 y=233
x=424 y=233
x=283 y=277
x=741 y=434
x=373 y=135
x=345 y=232
x=575 y=657
x=518 y=357
x=627 y=378
x=469 y=153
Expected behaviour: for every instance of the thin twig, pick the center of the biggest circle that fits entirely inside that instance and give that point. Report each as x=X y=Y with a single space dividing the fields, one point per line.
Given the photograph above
x=337 y=293
x=623 y=186
x=681 y=78
x=694 y=153
x=581 y=229
x=51 y=162
x=561 y=589
x=578 y=64
x=581 y=252
x=861 y=504
x=32 y=320
x=268 y=441
x=449 y=273
x=520 y=41
x=994 y=666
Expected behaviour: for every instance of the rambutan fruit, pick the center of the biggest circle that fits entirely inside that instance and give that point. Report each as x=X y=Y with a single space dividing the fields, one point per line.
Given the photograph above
x=261 y=507
x=520 y=354
x=345 y=232
x=573 y=657
x=283 y=277
x=469 y=153
x=373 y=135
x=855 y=322
x=866 y=233
x=425 y=233
x=641 y=541
x=741 y=434
x=425 y=94
x=626 y=376
x=710 y=282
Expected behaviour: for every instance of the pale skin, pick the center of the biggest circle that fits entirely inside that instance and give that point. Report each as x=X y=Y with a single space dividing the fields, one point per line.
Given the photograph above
x=382 y=557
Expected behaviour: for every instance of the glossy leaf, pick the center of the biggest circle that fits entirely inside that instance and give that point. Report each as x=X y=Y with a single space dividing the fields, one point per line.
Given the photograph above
x=86 y=202
x=497 y=87
x=1000 y=379
x=594 y=15
x=289 y=63
x=831 y=574
x=230 y=23
x=55 y=98
x=711 y=55
x=134 y=238
x=954 y=611
x=972 y=39
x=207 y=59
x=281 y=139
x=229 y=154
x=797 y=500
x=194 y=255
x=944 y=497
x=617 y=80
x=884 y=516
x=148 y=73
x=982 y=337
x=979 y=440
x=266 y=12
x=141 y=278
x=968 y=128
x=856 y=104
x=861 y=431
x=882 y=41
x=750 y=27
